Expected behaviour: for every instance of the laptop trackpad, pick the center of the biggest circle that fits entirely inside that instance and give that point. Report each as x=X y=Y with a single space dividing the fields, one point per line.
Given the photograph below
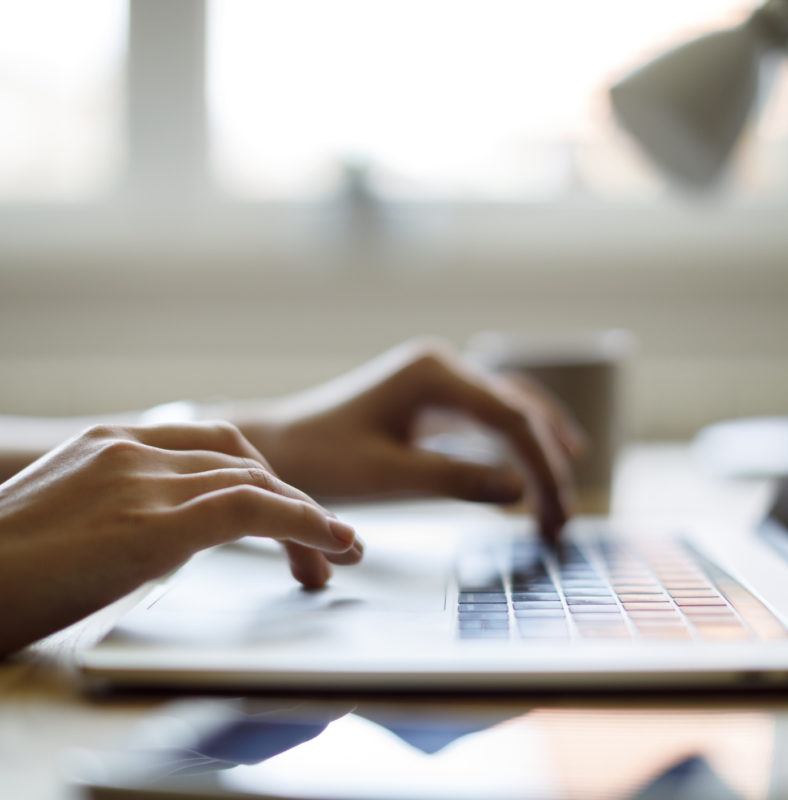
x=251 y=580
x=245 y=594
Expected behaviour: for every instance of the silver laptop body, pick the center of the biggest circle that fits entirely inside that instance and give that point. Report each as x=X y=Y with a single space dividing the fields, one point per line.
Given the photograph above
x=453 y=596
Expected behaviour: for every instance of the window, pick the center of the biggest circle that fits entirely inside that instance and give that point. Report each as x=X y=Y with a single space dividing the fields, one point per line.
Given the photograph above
x=60 y=97
x=446 y=99
x=300 y=100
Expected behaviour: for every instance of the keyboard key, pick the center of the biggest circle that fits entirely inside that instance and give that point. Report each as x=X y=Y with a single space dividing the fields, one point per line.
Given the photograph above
x=729 y=621
x=687 y=585
x=539 y=613
x=597 y=608
x=522 y=605
x=496 y=586
x=723 y=632
x=693 y=593
x=700 y=601
x=599 y=621
x=655 y=613
x=590 y=601
x=644 y=588
x=482 y=597
x=482 y=607
x=708 y=611
x=483 y=615
x=518 y=596
x=643 y=598
x=518 y=580
x=681 y=567
x=532 y=587
x=576 y=565
x=577 y=583
x=483 y=624
x=578 y=575
x=717 y=610
x=590 y=591
x=659 y=620
x=679 y=576
x=571 y=551
x=527 y=564
x=655 y=605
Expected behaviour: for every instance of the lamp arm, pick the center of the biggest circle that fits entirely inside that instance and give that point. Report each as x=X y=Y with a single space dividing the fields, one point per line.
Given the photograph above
x=771 y=21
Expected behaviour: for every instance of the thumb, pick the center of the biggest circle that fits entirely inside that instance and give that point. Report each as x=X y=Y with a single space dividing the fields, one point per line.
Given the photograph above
x=438 y=474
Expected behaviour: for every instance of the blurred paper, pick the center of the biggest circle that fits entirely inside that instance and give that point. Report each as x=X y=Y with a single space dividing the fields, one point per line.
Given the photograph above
x=745 y=448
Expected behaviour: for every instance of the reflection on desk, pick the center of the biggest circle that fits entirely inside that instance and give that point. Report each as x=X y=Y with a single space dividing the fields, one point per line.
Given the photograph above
x=380 y=751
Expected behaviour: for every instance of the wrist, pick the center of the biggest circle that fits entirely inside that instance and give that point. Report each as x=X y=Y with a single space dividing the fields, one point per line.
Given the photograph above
x=263 y=423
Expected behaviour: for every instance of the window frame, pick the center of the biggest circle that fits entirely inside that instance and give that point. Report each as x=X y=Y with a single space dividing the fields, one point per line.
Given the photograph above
x=166 y=200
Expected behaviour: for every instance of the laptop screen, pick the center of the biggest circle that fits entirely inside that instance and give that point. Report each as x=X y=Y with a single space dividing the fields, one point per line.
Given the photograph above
x=779 y=509
x=775 y=527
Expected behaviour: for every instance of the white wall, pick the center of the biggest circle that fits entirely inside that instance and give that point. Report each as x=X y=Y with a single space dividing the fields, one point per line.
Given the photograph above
x=91 y=323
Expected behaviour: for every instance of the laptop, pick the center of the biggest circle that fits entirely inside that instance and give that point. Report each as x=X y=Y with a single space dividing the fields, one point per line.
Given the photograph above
x=457 y=597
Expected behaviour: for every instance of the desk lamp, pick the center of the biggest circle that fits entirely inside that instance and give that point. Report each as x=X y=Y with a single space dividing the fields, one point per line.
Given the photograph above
x=687 y=108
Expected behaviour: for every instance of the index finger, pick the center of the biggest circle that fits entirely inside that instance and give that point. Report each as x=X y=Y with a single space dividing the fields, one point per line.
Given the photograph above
x=227 y=514
x=525 y=392
x=454 y=386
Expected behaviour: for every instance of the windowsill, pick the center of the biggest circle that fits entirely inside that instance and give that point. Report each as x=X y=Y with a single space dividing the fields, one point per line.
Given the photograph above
x=285 y=241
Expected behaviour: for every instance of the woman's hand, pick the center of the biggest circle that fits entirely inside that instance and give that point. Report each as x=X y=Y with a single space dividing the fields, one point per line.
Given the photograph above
x=115 y=507
x=356 y=437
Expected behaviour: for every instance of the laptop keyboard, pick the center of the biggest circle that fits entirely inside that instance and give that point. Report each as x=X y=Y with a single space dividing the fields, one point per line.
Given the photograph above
x=605 y=588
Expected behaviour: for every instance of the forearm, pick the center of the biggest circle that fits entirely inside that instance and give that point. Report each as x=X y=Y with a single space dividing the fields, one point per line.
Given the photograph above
x=267 y=424
x=264 y=422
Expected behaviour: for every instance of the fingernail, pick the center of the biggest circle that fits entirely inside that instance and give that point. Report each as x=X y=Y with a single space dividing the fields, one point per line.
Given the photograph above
x=503 y=487
x=342 y=532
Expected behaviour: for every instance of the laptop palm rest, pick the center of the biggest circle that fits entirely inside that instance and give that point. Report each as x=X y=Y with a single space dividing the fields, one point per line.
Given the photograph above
x=245 y=593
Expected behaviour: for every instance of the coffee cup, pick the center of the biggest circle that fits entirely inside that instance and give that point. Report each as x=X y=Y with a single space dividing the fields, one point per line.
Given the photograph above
x=585 y=373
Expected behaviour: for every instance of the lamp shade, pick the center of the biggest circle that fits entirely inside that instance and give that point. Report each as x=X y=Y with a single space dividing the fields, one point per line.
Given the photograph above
x=687 y=108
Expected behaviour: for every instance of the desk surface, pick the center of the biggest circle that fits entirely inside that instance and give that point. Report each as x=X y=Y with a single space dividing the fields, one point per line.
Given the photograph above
x=42 y=712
